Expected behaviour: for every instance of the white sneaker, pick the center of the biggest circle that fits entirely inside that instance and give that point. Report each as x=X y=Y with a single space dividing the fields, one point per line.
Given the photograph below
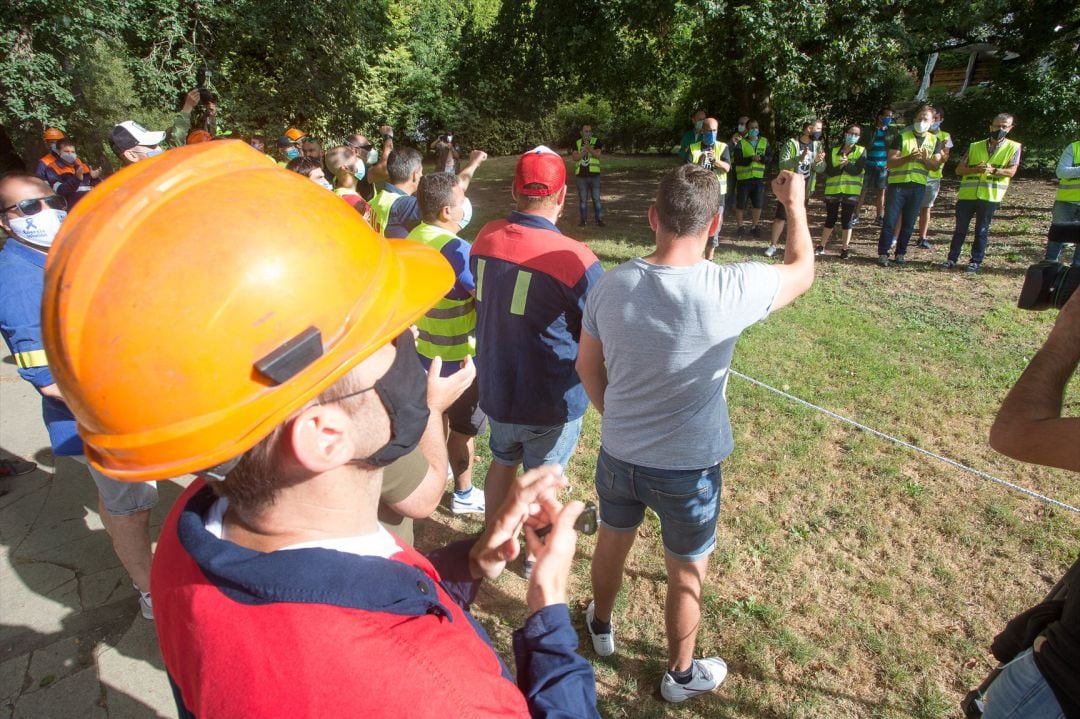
x=145 y=605
x=472 y=503
x=709 y=673
x=602 y=644
x=771 y=251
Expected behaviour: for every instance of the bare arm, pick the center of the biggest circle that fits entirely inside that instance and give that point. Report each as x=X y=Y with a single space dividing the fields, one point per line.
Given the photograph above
x=378 y=174
x=590 y=368
x=797 y=272
x=467 y=172
x=1029 y=426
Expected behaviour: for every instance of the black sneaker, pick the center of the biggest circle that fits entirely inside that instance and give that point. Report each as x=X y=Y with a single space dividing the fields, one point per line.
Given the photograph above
x=900 y=259
x=583 y=223
x=948 y=265
x=844 y=253
x=755 y=231
x=16 y=467
x=972 y=268
x=740 y=231
x=879 y=221
x=883 y=260
x=599 y=223
x=924 y=243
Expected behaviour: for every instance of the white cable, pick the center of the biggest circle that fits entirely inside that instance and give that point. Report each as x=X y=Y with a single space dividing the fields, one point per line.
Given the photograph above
x=902 y=443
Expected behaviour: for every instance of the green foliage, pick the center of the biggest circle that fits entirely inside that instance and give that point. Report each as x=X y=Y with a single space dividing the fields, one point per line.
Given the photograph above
x=505 y=75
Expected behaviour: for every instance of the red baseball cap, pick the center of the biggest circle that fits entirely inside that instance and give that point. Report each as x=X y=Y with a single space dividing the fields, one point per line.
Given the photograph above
x=539 y=166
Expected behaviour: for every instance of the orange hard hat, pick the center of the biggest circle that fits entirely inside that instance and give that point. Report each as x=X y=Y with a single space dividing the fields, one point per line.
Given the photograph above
x=196 y=136
x=190 y=307
x=52 y=134
x=293 y=134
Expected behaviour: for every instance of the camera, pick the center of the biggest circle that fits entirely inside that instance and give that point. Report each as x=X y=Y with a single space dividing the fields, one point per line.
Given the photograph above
x=1050 y=284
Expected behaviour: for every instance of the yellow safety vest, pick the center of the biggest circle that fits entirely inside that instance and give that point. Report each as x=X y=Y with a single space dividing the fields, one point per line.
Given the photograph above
x=984 y=186
x=718 y=150
x=1069 y=187
x=448 y=330
x=587 y=161
x=380 y=208
x=789 y=160
x=942 y=137
x=845 y=184
x=912 y=171
x=755 y=170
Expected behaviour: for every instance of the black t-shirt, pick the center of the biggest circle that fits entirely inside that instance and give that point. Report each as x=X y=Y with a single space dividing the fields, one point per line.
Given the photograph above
x=1059 y=656
x=580 y=169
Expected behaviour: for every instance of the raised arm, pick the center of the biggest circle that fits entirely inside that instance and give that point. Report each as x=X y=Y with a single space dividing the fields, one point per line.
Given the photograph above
x=797 y=272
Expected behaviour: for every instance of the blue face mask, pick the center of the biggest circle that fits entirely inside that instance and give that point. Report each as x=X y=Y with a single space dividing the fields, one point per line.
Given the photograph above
x=851 y=139
x=754 y=132
x=935 y=126
x=887 y=121
x=708 y=138
x=292 y=153
x=153 y=153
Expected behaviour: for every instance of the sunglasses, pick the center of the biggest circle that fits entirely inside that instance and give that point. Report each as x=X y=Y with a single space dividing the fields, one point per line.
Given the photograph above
x=35 y=205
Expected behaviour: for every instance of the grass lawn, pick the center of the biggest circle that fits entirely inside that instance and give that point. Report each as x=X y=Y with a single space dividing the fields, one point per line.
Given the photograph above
x=852 y=577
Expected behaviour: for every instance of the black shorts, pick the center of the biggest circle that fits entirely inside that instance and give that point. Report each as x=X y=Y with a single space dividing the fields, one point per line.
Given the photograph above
x=464 y=415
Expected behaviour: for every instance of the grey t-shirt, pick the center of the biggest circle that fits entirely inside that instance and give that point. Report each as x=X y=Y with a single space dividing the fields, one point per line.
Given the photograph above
x=668 y=335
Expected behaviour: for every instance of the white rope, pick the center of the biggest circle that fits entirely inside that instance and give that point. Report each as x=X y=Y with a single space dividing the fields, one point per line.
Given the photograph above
x=902 y=443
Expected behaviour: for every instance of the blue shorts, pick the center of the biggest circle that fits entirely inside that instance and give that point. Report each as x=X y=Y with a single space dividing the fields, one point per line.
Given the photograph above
x=686 y=500
x=533 y=445
x=877 y=178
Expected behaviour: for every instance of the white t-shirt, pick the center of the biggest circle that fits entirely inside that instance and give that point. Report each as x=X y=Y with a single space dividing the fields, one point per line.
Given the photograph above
x=377 y=544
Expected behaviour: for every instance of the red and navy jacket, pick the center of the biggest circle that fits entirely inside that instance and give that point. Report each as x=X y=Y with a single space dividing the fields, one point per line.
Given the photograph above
x=531 y=283
x=321 y=633
x=61 y=177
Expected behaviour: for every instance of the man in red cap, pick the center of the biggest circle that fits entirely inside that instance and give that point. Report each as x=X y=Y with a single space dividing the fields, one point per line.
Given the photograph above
x=531 y=282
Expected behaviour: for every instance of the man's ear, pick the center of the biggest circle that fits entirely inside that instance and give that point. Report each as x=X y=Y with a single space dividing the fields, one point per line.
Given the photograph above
x=562 y=196
x=653 y=221
x=321 y=438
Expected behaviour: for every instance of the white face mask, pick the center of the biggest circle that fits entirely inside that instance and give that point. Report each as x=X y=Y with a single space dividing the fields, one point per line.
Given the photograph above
x=373 y=157
x=466 y=214
x=39 y=229
x=324 y=183
x=922 y=126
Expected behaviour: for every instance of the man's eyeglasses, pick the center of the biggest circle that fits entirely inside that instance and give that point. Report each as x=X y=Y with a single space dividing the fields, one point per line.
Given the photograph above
x=37 y=204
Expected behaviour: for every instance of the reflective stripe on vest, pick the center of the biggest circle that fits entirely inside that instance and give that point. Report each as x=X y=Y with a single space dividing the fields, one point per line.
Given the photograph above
x=755 y=170
x=587 y=161
x=912 y=171
x=380 y=209
x=943 y=137
x=844 y=184
x=448 y=330
x=695 y=155
x=1069 y=187
x=984 y=186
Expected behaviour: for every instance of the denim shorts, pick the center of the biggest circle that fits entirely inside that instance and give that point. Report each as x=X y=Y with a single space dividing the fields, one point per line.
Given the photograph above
x=686 y=500
x=933 y=187
x=877 y=178
x=533 y=445
x=121 y=498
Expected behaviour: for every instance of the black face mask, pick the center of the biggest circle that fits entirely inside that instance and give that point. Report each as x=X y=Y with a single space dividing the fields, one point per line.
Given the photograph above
x=403 y=391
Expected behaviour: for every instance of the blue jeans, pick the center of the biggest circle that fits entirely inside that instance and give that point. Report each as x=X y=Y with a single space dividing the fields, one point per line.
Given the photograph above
x=903 y=200
x=1064 y=213
x=983 y=212
x=589 y=186
x=686 y=500
x=532 y=445
x=1021 y=692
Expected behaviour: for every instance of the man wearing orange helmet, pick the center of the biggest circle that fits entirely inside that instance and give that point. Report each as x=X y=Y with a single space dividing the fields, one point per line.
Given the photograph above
x=288 y=375
x=31 y=215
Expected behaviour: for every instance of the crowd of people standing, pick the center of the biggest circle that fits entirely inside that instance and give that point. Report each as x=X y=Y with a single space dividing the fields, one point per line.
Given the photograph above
x=349 y=380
